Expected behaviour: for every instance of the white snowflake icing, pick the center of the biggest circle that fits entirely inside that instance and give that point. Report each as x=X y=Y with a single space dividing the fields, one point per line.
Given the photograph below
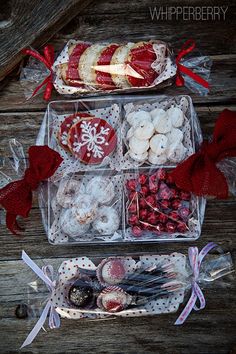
x=64 y=138
x=93 y=139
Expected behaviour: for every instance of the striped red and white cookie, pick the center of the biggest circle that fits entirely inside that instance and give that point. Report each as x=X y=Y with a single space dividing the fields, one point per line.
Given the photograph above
x=66 y=125
x=119 y=67
x=88 y=62
x=91 y=140
x=140 y=59
x=103 y=68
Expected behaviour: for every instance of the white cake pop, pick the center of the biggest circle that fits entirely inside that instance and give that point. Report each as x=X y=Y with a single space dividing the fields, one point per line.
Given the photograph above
x=162 y=124
x=138 y=146
x=107 y=221
x=70 y=225
x=138 y=157
x=175 y=136
x=176 y=152
x=144 y=130
x=101 y=188
x=85 y=208
x=68 y=190
x=156 y=159
x=159 y=143
x=176 y=116
x=134 y=118
x=157 y=112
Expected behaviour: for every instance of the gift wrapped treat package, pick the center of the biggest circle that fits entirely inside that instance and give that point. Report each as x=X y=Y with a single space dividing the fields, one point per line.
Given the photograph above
x=127 y=285
x=90 y=68
x=114 y=183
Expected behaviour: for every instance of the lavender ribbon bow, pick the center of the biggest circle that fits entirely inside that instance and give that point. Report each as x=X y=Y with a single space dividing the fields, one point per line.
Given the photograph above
x=195 y=259
x=45 y=274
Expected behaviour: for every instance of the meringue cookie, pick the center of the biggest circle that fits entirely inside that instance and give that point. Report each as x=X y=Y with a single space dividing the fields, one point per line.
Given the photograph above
x=138 y=157
x=162 y=124
x=70 y=225
x=157 y=112
x=156 y=159
x=144 y=130
x=175 y=136
x=134 y=118
x=138 y=146
x=176 y=152
x=158 y=143
x=176 y=116
x=101 y=188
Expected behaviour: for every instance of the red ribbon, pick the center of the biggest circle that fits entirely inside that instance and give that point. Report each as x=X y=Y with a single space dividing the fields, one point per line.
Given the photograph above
x=199 y=173
x=16 y=197
x=47 y=60
x=187 y=47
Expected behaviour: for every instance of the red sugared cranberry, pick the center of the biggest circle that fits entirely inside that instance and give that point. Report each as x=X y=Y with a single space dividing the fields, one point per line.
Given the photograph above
x=143 y=213
x=152 y=218
x=163 y=218
x=131 y=184
x=176 y=204
x=169 y=179
x=151 y=200
x=133 y=220
x=132 y=207
x=161 y=174
x=142 y=179
x=142 y=203
x=184 y=213
x=137 y=231
x=170 y=227
x=144 y=190
x=182 y=227
x=185 y=195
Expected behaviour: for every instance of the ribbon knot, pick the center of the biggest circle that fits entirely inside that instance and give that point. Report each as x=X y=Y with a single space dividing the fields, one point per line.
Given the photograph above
x=16 y=197
x=195 y=261
x=46 y=274
x=47 y=59
x=187 y=47
x=199 y=173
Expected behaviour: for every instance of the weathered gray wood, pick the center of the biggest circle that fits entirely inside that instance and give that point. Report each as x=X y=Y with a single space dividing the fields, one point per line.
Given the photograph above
x=31 y=22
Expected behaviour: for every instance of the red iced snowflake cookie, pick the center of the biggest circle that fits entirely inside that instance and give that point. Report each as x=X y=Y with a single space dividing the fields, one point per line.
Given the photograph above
x=66 y=125
x=91 y=140
x=72 y=73
x=140 y=59
x=103 y=76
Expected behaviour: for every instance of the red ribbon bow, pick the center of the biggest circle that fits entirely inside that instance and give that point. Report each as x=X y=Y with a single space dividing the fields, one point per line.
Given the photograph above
x=187 y=47
x=16 y=197
x=199 y=173
x=47 y=60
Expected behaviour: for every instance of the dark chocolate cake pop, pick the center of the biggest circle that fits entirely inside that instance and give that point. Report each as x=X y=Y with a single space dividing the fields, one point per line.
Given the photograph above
x=81 y=294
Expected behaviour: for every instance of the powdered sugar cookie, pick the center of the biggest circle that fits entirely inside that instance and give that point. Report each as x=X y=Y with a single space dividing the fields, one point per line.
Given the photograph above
x=158 y=143
x=101 y=188
x=138 y=146
x=92 y=140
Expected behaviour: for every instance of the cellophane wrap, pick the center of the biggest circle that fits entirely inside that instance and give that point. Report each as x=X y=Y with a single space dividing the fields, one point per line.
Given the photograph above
x=122 y=286
x=111 y=67
x=87 y=199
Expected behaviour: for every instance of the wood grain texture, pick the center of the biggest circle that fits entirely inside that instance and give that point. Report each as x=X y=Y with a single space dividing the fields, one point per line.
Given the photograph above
x=27 y=23
x=209 y=331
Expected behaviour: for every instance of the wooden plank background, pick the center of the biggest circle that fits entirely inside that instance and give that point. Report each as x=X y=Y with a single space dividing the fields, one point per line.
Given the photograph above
x=209 y=331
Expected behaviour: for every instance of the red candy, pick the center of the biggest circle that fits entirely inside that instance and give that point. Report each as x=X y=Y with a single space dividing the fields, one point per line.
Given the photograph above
x=182 y=227
x=185 y=195
x=143 y=213
x=132 y=195
x=184 y=212
x=151 y=201
x=132 y=207
x=165 y=193
x=161 y=174
x=137 y=231
x=131 y=184
x=152 y=218
x=176 y=204
x=174 y=215
x=142 y=203
x=163 y=218
x=164 y=204
x=133 y=220
x=170 y=227
x=142 y=179
x=144 y=190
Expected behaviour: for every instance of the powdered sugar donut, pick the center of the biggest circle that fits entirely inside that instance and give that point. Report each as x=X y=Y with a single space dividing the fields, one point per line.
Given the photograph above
x=158 y=143
x=87 y=64
x=70 y=225
x=135 y=118
x=176 y=116
x=144 y=130
x=158 y=112
x=175 y=136
x=156 y=159
x=118 y=69
x=130 y=133
x=101 y=188
x=85 y=208
x=107 y=220
x=176 y=152
x=68 y=190
x=162 y=124
x=138 y=146
x=138 y=157
x=92 y=140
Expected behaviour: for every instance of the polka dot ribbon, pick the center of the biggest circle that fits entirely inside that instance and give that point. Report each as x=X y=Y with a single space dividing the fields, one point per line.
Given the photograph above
x=187 y=47
x=47 y=59
x=195 y=260
x=46 y=274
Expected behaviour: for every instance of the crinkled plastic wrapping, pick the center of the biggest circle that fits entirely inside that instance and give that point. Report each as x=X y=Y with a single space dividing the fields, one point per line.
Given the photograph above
x=133 y=285
x=91 y=68
x=91 y=198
